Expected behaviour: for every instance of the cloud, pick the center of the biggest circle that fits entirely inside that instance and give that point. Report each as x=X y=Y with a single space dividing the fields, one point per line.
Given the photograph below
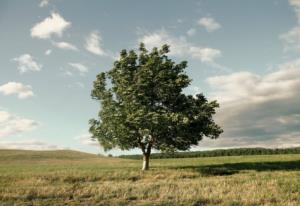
x=207 y=55
x=79 y=68
x=291 y=39
x=44 y=3
x=68 y=73
x=296 y=5
x=23 y=91
x=76 y=85
x=48 y=52
x=65 y=46
x=93 y=44
x=280 y=141
x=209 y=24
x=80 y=84
x=191 y=32
x=14 y=125
x=85 y=139
x=26 y=63
x=181 y=47
x=28 y=145
x=259 y=109
x=53 y=25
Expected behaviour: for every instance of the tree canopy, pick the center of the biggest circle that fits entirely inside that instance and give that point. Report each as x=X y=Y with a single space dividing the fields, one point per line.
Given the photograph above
x=143 y=105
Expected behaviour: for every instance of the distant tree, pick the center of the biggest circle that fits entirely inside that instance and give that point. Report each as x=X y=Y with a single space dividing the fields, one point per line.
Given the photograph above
x=143 y=105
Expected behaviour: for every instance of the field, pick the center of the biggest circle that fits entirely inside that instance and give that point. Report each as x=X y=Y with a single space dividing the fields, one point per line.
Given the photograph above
x=74 y=178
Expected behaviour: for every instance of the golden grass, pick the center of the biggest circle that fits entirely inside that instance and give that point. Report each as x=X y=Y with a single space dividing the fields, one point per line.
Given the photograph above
x=93 y=180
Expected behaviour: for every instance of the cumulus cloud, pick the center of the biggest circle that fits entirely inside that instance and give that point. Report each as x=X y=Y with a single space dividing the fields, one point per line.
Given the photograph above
x=76 y=85
x=80 y=68
x=65 y=46
x=291 y=38
x=14 y=125
x=44 y=3
x=209 y=24
x=181 y=47
x=279 y=141
x=296 y=5
x=207 y=55
x=28 y=145
x=191 y=32
x=262 y=110
x=80 y=84
x=48 y=52
x=53 y=25
x=22 y=91
x=26 y=63
x=85 y=139
x=93 y=44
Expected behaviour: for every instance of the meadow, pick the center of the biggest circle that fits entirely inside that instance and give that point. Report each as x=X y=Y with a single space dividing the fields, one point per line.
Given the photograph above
x=75 y=178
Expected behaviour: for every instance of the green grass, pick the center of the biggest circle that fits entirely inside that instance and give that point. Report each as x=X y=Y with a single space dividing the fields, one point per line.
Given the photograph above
x=74 y=178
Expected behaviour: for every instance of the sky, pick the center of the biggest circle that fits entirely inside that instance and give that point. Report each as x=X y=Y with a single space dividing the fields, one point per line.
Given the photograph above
x=244 y=54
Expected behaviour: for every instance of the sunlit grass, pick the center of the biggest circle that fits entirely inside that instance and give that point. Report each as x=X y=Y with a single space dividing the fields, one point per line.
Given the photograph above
x=70 y=178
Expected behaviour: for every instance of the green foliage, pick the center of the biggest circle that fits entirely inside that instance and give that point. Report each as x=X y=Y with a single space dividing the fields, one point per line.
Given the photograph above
x=142 y=105
x=219 y=152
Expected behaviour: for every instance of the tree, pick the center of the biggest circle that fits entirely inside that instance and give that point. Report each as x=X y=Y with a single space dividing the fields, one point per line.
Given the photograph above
x=143 y=105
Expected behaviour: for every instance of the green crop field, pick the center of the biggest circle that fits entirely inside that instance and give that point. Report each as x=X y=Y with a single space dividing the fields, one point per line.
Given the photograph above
x=74 y=178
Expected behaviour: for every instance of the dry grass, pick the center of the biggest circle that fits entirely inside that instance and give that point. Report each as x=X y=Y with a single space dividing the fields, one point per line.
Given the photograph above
x=82 y=179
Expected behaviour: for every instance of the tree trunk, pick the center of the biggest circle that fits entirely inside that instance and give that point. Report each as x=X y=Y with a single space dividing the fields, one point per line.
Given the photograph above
x=146 y=158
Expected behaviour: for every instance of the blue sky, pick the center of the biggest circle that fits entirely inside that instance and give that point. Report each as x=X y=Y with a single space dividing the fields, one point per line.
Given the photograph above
x=245 y=54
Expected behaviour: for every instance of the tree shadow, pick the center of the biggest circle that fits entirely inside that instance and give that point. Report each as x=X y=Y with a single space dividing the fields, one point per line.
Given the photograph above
x=233 y=168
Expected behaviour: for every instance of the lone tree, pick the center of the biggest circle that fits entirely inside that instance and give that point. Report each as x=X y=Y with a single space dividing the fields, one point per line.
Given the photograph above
x=143 y=106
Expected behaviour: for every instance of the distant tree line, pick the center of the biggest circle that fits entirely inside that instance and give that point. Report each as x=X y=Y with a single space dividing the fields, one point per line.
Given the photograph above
x=219 y=152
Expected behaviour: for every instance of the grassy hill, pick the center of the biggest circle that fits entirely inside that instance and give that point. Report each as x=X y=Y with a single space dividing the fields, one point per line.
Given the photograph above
x=74 y=178
x=43 y=155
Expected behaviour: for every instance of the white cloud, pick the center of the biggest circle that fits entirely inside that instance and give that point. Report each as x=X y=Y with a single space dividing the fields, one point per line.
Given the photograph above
x=93 y=44
x=259 y=109
x=296 y=5
x=26 y=63
x=65 y=46
x=157 y=39
x=181 y=47
x=291 y=39
x=23 y=91
x=207 y=55
x=76 y=85
x=209 y=24
x=244 y=85
x=4 y=116
x=48 y=52
x=85 y=139
x=68 y=73
x=280 y=141
x=53 y=25
x=28 y=145
x=289 y=119
x=80 y=84
x=180 y=21
x=191 y=32
x=14 y=125
x=44 y=3
x=79 y=68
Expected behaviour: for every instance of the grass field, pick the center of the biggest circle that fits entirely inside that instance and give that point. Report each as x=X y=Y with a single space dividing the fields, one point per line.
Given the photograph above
x=74 y=178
